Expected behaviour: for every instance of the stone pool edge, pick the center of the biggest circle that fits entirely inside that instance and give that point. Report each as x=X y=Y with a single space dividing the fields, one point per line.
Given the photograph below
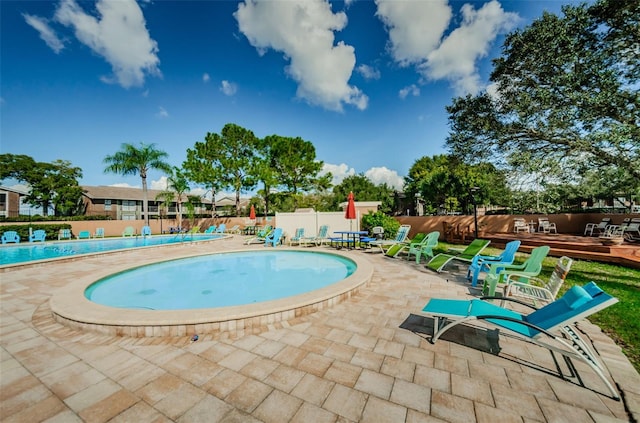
x=71 y=308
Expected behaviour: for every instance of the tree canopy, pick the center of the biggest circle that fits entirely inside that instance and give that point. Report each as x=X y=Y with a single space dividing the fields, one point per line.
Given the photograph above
x=564 y=99
x=445 y=182
x=50 y=184
x=235 y=152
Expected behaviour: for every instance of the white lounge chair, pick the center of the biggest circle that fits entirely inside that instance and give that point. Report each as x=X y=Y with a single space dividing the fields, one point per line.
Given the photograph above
x=401 y=237
x=598 y=228
x=545 y=226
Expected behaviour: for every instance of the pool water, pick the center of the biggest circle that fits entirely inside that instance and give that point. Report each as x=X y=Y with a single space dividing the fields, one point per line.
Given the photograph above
x=219 y=280
x=50 y=250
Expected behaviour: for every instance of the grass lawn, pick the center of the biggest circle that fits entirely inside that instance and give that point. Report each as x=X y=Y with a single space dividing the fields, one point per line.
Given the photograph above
x=621 y=321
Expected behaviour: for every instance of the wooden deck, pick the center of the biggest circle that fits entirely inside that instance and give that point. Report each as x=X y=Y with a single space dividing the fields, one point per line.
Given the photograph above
x=574 y=246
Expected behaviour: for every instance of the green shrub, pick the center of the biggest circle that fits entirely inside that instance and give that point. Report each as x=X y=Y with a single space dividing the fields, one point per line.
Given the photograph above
x=389 y=224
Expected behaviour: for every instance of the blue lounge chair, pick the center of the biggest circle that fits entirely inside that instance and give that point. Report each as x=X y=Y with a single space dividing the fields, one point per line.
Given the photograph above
x=273 y=238
x=84 y=235
x=10 y=236
x=221 y=228
x=441 y=260
x=128 y=231
x=576 y=304
x=146 y=231
x=39 y=235
x=481 y=263
x=99 y=233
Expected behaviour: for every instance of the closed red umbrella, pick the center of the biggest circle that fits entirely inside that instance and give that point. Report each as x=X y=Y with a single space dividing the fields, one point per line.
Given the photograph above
x=252 y=213
x=350 y=213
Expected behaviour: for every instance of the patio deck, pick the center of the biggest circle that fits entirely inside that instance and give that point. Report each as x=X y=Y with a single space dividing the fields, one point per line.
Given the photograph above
x=574 y=246
x=365 y=359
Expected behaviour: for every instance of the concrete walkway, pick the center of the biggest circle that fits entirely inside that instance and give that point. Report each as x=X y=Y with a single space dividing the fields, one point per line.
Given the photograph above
x=355 y=362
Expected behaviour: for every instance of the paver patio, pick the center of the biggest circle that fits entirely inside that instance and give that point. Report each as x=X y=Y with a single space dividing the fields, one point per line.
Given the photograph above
x=352 y=362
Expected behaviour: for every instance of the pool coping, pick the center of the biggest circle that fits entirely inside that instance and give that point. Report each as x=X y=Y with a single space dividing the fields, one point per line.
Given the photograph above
x=71 y=308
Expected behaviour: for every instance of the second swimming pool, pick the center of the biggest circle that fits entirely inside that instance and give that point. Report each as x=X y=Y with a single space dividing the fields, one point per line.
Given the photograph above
x=220 y=280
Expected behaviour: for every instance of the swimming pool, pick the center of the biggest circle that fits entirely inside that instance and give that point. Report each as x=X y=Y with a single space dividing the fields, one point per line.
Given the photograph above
x=21 y=253
x=220 y=280
x=71 y=307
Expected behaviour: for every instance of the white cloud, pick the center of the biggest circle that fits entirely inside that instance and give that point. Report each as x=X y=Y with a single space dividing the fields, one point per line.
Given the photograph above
x=160 y=184
x=338 y=172
x=125 y=185
x=368 y=72
x=415 y=27
x=205 y=77
x=46 y=32
x=456 y=57
x=377 y=175
x=492 y=91
x=411 y=89
x=228 y=88
x=303 y=31
x=382 y=175
x=416 y=37
x=119 y=36
x=162 y=113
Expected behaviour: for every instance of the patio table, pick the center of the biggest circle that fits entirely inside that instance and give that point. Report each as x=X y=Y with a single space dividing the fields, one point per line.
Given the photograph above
x=347 y=238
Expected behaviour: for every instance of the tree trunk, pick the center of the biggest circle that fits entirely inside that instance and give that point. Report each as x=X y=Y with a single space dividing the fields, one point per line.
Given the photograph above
x=145 y=202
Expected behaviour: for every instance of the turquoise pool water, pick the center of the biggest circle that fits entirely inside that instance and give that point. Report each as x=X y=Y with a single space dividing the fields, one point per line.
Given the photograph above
x=219 y=280
x=26 y=252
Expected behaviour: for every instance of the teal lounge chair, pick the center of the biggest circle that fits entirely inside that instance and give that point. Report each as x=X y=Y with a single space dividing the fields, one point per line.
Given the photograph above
x=211 y=229
x=425 y=248
x=10 y=236
x=274 y=238
x=321 y=238
x=128 y=231
x=441 y=260
x=297 y=237
x=577 y=303
x=481 y=263
x=64 y=234
x=39 y=235
x=502 y=273
x=84 y=235
x=145 y=231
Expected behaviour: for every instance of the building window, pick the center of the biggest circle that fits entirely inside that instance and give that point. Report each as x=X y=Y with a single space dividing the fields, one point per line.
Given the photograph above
x=107 y=205
x=128 y=205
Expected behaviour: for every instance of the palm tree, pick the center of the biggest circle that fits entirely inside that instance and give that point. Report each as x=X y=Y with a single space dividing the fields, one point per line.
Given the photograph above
x=131 y=160
x=177 y=186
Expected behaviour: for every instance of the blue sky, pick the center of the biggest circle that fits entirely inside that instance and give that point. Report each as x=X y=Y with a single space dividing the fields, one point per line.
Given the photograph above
x=366 y=82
